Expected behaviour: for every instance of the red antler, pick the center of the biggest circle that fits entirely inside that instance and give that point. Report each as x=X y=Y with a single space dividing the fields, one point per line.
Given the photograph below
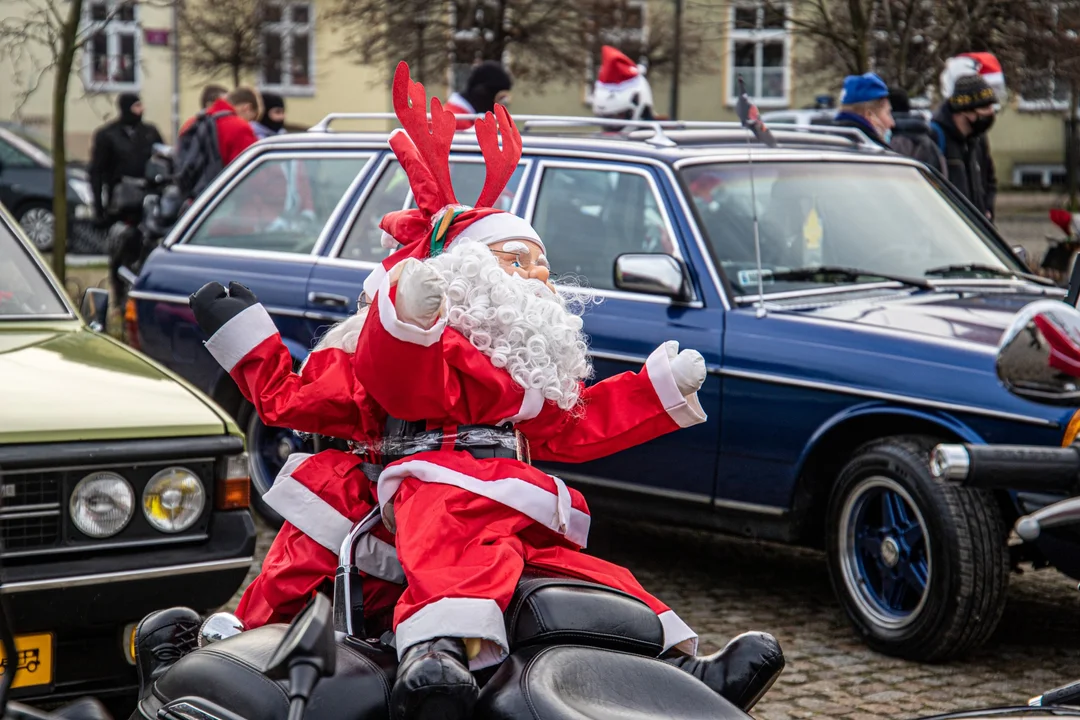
x=501 y=163
x=432 y=141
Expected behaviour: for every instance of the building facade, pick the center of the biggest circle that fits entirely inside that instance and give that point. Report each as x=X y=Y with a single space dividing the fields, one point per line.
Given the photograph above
x=131 y=50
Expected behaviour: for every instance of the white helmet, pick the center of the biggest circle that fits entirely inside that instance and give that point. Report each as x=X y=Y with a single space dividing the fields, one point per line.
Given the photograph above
x=621 y=90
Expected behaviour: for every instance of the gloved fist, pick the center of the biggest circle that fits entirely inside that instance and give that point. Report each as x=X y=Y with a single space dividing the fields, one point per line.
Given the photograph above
x=688 y=368
x=421 y=292
x=213 y=306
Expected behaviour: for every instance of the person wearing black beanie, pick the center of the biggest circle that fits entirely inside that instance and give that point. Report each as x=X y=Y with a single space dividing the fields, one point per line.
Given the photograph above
x=272 y=120
x=489 y=83
x=911 y=133
x=960 y=126
x=120 y=149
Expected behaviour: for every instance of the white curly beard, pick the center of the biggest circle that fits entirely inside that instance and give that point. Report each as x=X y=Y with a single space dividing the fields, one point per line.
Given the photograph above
x=534 y=334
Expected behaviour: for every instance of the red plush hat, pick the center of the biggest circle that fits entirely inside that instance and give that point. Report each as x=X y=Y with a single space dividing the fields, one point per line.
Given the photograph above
x=615 y=67
x=423 y=149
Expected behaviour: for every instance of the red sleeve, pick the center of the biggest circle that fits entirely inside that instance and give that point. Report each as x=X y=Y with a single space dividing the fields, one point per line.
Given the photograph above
x=615 y=414
x=234 y=136
x=325 y=398
x=433 y=374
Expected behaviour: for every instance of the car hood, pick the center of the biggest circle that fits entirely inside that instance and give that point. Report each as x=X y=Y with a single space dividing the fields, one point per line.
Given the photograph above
x=66 y=383
x=973 y=316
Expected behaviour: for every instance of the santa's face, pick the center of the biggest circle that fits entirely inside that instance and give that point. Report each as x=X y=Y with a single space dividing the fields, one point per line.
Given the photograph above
x=523 y=258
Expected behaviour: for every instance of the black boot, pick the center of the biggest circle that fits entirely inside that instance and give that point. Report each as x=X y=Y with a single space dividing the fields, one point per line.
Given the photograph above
x=742 y=671
x=162 y=638
x=434 y=683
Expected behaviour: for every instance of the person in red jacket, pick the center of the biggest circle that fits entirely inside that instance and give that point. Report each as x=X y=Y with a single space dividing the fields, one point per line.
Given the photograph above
x=234 y=130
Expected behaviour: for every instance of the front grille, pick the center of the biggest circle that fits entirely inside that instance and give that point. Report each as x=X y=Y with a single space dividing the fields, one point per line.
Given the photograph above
x=32 y=488
x=31 y=531
x=30 y=514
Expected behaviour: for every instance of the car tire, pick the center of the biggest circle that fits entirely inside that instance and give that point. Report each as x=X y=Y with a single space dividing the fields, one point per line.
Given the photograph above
x=39 y=223
x=920 y=566
x=268 y=448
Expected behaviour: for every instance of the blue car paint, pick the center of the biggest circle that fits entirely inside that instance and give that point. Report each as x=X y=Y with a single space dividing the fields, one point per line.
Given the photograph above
x=779 y=387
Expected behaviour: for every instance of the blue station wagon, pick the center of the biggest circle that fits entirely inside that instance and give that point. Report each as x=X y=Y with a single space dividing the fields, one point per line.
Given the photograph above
x=866 y=335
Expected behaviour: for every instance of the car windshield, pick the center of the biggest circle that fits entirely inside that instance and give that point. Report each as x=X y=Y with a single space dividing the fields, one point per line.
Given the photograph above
x=25 y=290
x=851 y=219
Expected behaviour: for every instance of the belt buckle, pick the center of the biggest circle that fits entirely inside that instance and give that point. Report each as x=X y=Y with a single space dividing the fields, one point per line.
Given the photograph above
x=521 y=445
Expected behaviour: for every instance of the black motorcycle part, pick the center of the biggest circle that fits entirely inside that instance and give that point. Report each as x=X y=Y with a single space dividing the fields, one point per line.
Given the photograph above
x=567 y=682
x=229 y=673
x=1064 y=695
x=161 y=639
x=434 y=683
x=1024 y=468
x=547 y=610
x=213 y=306
x=742 y=671
x=966 y=536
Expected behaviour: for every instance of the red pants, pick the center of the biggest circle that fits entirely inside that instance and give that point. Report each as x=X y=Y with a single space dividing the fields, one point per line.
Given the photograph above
x=294 y=568
x=463 y=555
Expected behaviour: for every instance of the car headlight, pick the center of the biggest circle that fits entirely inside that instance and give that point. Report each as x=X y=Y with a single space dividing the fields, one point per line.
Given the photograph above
x=82 y=190
x=174 y=499
x=102 y=504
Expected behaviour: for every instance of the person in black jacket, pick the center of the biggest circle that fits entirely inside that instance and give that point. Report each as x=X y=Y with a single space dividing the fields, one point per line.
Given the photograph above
x=911 y=133
x=120 y=149
x=959 y=127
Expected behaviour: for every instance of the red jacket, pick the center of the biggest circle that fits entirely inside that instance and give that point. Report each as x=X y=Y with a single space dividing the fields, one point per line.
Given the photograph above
x=460 y=106
x=234 y=133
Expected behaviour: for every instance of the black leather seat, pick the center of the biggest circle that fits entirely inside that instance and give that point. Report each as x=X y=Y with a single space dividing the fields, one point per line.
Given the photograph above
x=566 y=682
x=552 y=610
x=229 y=674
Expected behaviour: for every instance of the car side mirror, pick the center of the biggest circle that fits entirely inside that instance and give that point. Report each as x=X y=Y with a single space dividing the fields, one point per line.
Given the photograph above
x=653 y=274
x=1039 y=355
x=95 y=308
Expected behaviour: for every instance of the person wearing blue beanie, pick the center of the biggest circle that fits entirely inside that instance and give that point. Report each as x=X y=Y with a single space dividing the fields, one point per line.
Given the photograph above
x=864 y=104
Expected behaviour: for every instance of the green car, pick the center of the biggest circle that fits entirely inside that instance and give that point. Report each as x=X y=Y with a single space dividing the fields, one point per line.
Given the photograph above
x=122 y=489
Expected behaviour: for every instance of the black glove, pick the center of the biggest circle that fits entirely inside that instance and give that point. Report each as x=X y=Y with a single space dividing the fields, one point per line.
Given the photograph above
x=213 y=306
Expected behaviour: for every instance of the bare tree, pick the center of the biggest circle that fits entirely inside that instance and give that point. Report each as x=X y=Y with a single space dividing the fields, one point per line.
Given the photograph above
x=222 y=36
x=52 y=29
x=543 y=41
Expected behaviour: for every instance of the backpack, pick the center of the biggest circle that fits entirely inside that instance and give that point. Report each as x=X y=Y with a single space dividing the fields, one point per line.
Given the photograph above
x=199 y=159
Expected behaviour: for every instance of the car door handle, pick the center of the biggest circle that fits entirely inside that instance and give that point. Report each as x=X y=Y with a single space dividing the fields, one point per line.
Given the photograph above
x=328 y=300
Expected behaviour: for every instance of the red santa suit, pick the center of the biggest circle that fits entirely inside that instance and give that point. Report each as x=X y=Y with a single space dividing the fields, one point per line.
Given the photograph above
x=320 y=496
x=465 y=526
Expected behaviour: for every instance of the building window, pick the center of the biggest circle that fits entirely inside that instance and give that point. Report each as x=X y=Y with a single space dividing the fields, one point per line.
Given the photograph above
x=627 y=28
x=112 y=48
x=1044 y=92
x=759 y=46
x=288 y=49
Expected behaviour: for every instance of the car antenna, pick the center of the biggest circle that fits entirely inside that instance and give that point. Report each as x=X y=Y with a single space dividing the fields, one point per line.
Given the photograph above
x=751 y=118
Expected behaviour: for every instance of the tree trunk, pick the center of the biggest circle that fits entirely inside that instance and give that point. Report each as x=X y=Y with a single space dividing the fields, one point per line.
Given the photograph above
x=236 y=75
x=676 y=61
x=1072 y=150
x=60 y=185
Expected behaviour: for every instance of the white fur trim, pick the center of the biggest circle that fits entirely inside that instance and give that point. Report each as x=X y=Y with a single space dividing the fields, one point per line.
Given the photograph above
x=550 y=510
x=621 y=86
x=374 y=280
x=678 y=634
x=531 y=405
x=317 y=519
x=388 y=241
x=684 y=410
x=501 y=226
x=241 y=335
x=406 y=332
x=458 y=618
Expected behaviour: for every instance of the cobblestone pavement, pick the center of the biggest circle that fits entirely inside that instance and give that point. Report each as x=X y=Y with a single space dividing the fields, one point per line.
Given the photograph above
x=723 y=586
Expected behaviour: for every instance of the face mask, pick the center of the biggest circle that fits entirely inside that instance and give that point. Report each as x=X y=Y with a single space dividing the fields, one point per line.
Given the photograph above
x=887 y=136
x=982 y=123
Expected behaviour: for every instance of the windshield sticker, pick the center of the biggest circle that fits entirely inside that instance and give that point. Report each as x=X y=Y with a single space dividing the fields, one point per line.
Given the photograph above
x=749 y=277
x=812 y=231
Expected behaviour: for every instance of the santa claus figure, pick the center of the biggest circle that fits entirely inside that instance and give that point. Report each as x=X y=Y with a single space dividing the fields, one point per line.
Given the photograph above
x=621 y=90
x=475 y=365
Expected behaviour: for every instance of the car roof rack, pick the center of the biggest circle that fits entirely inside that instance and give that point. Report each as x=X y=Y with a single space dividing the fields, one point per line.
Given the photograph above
x=660 y=128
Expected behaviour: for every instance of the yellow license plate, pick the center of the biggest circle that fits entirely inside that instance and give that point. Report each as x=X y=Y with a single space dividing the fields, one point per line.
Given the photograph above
x=35 y=666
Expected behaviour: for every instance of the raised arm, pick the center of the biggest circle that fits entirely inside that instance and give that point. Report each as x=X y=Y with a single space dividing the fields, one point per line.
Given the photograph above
x=623 y=411
x=324 y=398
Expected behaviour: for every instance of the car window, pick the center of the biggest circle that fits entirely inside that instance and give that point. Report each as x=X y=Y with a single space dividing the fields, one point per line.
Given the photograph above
x=24 y=287
x=282 y=205
x=364 y=241
x=589 y=216
x=11 y=157
x=888 y=218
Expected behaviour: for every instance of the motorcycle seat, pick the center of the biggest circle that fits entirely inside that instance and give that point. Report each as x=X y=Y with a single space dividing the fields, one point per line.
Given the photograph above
x=549 y=610
x=229 y=674
x=567 y=682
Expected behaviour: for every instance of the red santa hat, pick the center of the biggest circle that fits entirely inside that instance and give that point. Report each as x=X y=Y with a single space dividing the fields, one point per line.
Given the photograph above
x=620 y=85
x=423 y=149
x=974 y=63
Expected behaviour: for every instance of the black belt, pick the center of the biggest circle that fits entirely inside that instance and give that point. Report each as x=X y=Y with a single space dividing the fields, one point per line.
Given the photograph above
x=483 y=442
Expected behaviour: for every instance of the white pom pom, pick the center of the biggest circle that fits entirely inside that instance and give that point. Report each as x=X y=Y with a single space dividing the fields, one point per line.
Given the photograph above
x=387 y=241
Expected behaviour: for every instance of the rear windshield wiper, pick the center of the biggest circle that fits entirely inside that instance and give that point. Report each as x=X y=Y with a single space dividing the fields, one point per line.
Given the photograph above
x=988 y=269
x=813 y=271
